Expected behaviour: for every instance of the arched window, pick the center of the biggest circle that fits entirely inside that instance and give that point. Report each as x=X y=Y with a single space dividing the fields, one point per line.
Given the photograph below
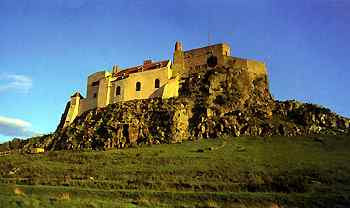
x=138 y=86
x=117 y=91
x=156 y=83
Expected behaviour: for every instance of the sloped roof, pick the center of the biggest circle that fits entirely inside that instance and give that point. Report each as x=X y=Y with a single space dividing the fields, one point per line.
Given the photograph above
x=141 y=68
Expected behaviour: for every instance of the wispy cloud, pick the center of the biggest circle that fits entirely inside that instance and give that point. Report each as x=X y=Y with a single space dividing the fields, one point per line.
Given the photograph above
x=14 y=127
x=21 y=83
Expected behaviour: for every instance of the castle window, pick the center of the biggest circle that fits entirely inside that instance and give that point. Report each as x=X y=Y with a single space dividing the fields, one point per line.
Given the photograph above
x=117 y=91
x=95 y=83
x=198 y=67
x=95 y=95
x=138 y=86
x=156 y=83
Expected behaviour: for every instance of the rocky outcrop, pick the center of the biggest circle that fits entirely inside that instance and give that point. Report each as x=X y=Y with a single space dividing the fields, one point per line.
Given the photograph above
x=227 y=100
x=63 y=117
x=311 y=119
x=124 y=124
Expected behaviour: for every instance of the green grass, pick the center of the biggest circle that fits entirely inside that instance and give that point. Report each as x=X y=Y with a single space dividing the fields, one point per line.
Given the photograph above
x=225 y=172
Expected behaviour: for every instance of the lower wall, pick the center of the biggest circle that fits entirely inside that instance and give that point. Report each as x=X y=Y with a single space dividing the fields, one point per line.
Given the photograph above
x=87 y=104
x=171 y=89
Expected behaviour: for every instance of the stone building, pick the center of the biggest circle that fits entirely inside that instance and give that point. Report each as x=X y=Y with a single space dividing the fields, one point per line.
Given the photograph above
x=149 y=80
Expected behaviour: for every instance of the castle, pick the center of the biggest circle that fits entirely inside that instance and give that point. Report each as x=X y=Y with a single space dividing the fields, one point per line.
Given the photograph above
x=151 y=79
x=202 y=93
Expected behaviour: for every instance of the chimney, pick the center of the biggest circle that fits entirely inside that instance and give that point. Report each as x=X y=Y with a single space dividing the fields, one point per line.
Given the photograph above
x=146 y=62
x=115 y=69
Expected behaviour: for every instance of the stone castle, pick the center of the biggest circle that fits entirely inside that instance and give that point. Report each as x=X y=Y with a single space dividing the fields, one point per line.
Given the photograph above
x=160 y=79
x=202 y=93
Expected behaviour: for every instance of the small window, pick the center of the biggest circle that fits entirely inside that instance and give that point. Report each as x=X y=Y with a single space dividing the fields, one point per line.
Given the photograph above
x=95 y=95
x=117 y=91
x=138 y=86
x=198 y=67
x=95 y=83
x=156 y=83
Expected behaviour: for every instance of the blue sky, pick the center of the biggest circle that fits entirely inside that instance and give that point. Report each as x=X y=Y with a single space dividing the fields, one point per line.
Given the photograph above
x=48 y=48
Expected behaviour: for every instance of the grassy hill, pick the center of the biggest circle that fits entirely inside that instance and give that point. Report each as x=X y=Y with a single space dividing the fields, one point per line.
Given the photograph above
x=224 y=172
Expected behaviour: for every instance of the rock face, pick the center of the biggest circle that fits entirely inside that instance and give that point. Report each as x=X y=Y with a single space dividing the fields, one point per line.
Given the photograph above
x=123 y=124
x=227 y=100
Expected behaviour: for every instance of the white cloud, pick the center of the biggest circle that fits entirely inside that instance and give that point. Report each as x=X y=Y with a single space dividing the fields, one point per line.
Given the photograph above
x=16 y=82
x=14 y=127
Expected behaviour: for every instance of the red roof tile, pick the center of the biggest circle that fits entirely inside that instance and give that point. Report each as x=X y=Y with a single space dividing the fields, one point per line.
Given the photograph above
x=141 y=68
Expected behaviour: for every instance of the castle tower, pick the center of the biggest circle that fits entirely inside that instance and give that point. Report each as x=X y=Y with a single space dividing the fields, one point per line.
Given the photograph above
x=73 y=110
x=179 y=60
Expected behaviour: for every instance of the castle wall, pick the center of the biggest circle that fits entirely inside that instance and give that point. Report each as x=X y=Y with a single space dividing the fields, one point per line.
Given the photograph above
x=171 y=89
x=103 y=97
x=73 y=110
x=256 y=68
x=178 y=65
x=87 y=104
x=93 y=83
x=196 y=59
x=147 y=80
x=97 y=93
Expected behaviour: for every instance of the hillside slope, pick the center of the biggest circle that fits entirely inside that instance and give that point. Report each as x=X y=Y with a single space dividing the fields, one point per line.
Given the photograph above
x=223 y=172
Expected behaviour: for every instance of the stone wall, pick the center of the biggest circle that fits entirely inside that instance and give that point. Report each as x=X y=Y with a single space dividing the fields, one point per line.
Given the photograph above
x=196 y=59
x=73 y=110
x=171 y=89
x=95 y=91
x=93 y=83
x=104 y=92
